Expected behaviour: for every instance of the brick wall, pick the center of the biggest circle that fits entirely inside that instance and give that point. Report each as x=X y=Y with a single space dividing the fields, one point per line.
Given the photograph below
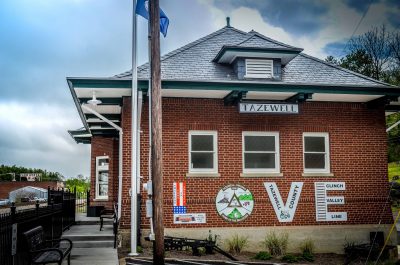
x=105 y=146
x=357 y=156
x=7 y=186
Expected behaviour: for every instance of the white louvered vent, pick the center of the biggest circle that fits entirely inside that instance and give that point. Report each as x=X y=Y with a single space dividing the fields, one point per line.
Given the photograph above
x=258 y=68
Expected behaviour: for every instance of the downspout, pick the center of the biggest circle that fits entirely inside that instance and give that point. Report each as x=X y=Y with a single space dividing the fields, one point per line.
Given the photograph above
x=119 y=129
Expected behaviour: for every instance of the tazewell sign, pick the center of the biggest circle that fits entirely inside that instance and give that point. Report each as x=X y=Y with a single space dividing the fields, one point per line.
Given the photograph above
x=277 y=108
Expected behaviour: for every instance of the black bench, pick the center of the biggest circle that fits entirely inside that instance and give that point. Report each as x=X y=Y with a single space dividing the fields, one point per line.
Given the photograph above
x=41 y=253
x=107 y=214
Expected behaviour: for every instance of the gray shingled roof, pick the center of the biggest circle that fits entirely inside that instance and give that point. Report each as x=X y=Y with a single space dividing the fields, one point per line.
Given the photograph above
x=194 y=62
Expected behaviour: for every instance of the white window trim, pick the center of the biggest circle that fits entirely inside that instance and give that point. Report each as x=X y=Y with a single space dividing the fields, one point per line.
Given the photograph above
x=101 y=168
x=249 y=75
x=215 y=152
x=277 y=168
x=327 y=168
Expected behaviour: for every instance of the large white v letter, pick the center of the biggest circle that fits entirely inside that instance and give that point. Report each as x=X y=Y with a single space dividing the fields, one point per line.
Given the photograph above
x=284 y=212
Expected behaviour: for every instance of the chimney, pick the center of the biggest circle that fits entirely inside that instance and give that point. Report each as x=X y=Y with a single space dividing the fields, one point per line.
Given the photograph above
x=228 y=22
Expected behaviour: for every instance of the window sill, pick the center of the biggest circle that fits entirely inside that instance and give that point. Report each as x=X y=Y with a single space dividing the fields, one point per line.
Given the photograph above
x=318 y=174
x=203 y=174
x=101 y=200
x=260 y=175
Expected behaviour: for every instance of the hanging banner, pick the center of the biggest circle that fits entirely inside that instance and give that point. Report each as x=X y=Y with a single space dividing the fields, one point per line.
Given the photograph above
x=234 y=203
x=276 y=108
x=322 y=200
x=284 y=212
x=179 y=197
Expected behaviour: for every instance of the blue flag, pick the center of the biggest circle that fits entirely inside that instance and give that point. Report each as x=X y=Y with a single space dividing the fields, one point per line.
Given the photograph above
x=142 y=9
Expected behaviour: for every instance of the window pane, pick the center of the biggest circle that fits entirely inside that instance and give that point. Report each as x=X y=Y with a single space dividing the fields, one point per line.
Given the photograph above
x=314 y=144
x=103 y=183
x=202 y=160
x=314 y=161
x=259 y=143
x=259 y=160
x=202 y=142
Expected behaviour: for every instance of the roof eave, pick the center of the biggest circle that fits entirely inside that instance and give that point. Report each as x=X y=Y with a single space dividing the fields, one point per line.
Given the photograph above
x=224 y=49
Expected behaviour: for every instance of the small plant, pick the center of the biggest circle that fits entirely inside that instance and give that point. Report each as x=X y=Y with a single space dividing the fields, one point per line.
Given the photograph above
x=236 y=243
x=276 y=244
x=290 y=258
x=307 y=249
x=263 y=255
x=139 y=249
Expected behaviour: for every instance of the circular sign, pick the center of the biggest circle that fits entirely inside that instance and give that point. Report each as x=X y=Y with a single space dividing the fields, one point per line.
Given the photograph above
x=234 y=203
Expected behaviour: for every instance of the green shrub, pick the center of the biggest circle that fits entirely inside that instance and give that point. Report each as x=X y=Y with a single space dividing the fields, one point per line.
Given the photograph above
x=276 y=244
x=139 y=249
x=307 y=249
x=236 y=243
x=307 y=256
x=290 y=258
x=263 y=255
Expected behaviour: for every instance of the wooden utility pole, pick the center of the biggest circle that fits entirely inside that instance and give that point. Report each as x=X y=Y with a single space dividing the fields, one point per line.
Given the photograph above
x=156 y=132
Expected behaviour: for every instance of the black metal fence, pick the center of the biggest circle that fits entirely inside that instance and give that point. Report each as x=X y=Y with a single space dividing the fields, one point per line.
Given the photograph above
x=82 y=201
x=55 y=218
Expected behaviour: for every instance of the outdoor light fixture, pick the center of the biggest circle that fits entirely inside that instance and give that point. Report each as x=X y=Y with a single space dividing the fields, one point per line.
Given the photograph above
x=94 y=100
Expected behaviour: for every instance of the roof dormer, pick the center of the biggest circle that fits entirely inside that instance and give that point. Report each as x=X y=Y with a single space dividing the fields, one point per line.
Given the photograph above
x=261 y=57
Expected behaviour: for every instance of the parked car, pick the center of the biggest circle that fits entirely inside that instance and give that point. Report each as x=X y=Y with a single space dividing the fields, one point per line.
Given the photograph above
x=4 y=202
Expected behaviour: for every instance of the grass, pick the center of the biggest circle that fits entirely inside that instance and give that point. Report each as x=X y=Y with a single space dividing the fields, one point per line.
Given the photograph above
x=276 y=244
x=236 y=243
x=393 y=170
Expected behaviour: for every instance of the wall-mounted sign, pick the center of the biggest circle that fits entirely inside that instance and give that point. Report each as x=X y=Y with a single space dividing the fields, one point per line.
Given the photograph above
x=277 y=108
x=190 y=218
x=30 y=176
x=234 y=203
x=322 y=200
x=179 y=197
x=284 y=211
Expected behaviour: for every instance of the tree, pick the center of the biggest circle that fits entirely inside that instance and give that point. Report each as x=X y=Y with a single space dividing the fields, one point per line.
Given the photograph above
x=81 y=183
x=394 y=45
x=358 y=61
x=376 y=45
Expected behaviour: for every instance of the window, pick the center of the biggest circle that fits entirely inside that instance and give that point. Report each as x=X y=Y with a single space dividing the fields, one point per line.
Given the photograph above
x=102 y=163
x=259 y=68
x=203 y=156
x=316 y=152
x=261 y=152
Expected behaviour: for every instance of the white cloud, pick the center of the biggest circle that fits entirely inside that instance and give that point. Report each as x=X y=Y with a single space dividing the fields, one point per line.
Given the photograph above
x=35 y=135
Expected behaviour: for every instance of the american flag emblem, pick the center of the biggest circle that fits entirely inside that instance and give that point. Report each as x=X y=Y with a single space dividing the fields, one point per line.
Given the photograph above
x=179 y=197
x=179 y=209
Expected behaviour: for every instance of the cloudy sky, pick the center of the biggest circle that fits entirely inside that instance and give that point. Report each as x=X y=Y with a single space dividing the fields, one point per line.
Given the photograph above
x=44 y=41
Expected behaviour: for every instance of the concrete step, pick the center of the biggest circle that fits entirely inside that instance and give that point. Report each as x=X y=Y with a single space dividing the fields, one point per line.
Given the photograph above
x=94 y=244
x=93 y=222
x=93 y=256
x=93 y=237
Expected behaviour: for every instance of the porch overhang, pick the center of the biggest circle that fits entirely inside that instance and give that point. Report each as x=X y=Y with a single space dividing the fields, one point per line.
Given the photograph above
x=112 y=90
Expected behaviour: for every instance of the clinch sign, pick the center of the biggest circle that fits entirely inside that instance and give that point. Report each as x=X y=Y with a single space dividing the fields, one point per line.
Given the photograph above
x=276 y=108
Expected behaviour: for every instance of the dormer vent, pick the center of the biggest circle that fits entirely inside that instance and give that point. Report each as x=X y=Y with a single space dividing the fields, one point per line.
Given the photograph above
x=259 y=68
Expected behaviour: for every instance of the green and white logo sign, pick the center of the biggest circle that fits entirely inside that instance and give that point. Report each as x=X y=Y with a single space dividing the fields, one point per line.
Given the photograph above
x=234 y=203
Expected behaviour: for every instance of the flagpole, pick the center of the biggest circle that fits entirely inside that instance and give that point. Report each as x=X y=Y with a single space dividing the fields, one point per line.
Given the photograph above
x=134 y=137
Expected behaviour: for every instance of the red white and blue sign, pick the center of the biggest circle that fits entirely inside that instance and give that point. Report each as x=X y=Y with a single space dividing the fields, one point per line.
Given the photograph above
x=179 y=197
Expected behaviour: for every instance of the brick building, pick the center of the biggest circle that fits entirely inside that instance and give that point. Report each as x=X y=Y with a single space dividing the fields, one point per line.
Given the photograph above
x=257 y=136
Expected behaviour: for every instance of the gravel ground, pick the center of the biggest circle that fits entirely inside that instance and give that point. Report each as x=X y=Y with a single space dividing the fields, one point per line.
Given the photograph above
x=320 y=259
